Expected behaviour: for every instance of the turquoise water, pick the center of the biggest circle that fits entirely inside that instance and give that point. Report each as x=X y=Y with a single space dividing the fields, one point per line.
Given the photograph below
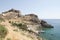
x=52 y=33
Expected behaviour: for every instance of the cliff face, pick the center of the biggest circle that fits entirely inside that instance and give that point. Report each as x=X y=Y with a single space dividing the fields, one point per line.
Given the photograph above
x=31 y=20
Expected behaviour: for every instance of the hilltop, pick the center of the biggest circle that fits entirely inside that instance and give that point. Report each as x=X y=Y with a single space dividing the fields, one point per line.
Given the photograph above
x=22 y=27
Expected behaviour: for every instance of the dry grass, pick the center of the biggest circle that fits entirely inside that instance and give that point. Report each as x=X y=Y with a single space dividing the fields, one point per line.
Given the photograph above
x=19 y=35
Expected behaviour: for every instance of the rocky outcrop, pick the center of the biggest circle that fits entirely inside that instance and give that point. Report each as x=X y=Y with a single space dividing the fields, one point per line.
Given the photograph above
x=32 y=15
x=34 y=23
x=12 y=10
x=12 y=13
x=32 y=20
x=45 y=24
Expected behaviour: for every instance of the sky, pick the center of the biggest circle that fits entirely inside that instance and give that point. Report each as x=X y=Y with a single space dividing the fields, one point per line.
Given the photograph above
x=45 y=9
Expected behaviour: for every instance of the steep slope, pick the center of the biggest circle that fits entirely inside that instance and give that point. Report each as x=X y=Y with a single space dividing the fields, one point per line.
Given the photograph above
x=19 y=35
x=32 y=22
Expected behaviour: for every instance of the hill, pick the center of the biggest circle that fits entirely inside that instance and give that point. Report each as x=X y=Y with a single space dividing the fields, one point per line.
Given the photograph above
x=22 y=27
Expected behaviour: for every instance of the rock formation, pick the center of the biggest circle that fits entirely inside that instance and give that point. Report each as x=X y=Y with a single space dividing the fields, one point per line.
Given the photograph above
x=31 y=20
x=12 y=13
x=45 y=24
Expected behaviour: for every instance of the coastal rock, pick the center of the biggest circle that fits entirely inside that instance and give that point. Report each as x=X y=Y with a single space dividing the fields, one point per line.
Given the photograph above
x=30 y=24
x=35 y=20
x=34 y=23
x=32 y=20
x=45 y=24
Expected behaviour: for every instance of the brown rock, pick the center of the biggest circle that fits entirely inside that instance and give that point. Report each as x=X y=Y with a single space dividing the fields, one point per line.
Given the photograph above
x=45 y=24
x=11 y=14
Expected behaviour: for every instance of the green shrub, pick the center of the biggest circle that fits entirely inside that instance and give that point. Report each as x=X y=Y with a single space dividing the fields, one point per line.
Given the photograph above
x=8 y=38
x=20 y=26
x=14 y=24
x=3 y=31
x=15 y=30
x=1 y=19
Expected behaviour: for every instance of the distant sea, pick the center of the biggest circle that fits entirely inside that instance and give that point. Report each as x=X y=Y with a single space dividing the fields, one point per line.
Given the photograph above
x=51 y=33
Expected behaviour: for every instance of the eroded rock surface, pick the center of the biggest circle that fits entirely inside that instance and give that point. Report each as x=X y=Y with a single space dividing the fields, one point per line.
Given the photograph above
x=30 y=20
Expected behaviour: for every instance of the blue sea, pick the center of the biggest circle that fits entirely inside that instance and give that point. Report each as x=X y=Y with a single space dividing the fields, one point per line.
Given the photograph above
x=51 y=33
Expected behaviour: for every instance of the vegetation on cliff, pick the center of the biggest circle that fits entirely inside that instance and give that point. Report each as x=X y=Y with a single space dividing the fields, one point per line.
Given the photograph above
x=19 y=25
x=3 y=31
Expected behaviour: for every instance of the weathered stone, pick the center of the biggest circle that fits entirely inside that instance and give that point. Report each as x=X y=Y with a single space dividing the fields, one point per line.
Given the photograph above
x=34 y=28
x=11 y=14
x=31 y=20
x=32 y=15
x=45 y=24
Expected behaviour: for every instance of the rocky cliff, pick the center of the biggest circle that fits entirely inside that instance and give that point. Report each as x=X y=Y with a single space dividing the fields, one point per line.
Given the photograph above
x=29 y=22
